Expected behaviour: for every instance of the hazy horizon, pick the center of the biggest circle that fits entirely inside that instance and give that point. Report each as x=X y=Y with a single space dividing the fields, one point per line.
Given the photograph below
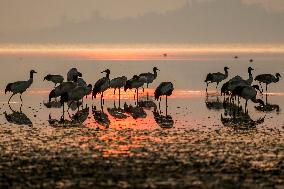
x=155 y=21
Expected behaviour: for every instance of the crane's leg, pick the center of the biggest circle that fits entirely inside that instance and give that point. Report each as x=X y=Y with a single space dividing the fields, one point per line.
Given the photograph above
x=21 y=97
x=114 y=91
x=207 y=86
x=266 y=88
x=147 y=95
x=63 y=111
x=261 y=86
x=160 y=103
x=11 y=97
x=246 y=105
x=119 y=97
x=166 y=100
x=166 y=105
x=137 y=95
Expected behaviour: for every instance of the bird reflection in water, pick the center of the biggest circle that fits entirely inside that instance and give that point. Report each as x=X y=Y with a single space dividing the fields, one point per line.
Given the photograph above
x=147 y=104
x=77 y=119
x=163 y=121
x=135 y=111
x=117 y=113
x=17 y=117
x=52 y=104
x=267 y=107
x=213 y=104
x=237 y=118
x=100 y=117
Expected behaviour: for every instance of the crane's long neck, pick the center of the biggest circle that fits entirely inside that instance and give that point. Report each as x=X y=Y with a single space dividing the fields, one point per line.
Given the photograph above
x=155 y=73
x=31 y=78
x=107 y=75
x=226 y=73
x=250 y=79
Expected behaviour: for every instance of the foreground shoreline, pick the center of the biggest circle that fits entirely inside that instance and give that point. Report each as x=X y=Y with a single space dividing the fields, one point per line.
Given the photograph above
x=82 y=157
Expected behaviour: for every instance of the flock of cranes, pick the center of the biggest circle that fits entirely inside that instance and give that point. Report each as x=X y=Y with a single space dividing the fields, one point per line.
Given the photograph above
x=75 y=88
x=237 y=86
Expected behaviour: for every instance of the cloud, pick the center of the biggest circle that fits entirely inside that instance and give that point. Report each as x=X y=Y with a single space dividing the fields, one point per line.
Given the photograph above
x=269 y=5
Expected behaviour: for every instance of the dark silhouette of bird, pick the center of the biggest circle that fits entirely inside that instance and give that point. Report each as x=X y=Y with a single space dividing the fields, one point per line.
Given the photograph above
x=63 y=88
x=102 y=85
x=164 y=89
x=165 y=54
x=56 y=79
x=88 y=87
x=73 y=73
x=118 y=83
x=267 y=79
x=216 y=77
x=20 y=86
x=149 y=77
x=247 y=93
x=236 y=57
x=74 y=95
x=251 y=60
x=134 y=83
x=230 y=85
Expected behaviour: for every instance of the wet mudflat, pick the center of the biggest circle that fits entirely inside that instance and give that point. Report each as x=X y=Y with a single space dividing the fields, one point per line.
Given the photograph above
x=81 y=157
x=200 y=141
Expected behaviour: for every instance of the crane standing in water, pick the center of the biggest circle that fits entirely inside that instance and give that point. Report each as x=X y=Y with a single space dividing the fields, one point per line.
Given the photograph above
x=165 y=88
x=20 y=86
x=216 y=77
x=102 y=85
x=267 y=79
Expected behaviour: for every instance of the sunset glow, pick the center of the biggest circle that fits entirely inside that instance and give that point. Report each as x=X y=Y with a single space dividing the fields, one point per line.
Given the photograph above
x=140 y=52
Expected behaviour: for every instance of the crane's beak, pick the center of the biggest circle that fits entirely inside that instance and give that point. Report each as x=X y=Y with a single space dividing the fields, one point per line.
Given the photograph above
x=103 y=71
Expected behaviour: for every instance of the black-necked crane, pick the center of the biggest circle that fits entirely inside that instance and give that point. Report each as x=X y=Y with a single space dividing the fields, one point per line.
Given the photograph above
x=164 y=89
x=247 y=93
x=134 y=83
x=73 y=73
x=216 y=77
x=118 y=83
x=56 y=79
x=230 y=85
x=267 y=79
x=20 y=87
x=149 y=77
x=102 y=85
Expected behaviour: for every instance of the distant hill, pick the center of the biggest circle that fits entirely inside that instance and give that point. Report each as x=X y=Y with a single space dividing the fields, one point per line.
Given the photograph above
x=216 y=21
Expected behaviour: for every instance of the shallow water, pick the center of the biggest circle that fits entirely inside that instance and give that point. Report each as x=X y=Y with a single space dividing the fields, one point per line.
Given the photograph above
x=199 y=140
